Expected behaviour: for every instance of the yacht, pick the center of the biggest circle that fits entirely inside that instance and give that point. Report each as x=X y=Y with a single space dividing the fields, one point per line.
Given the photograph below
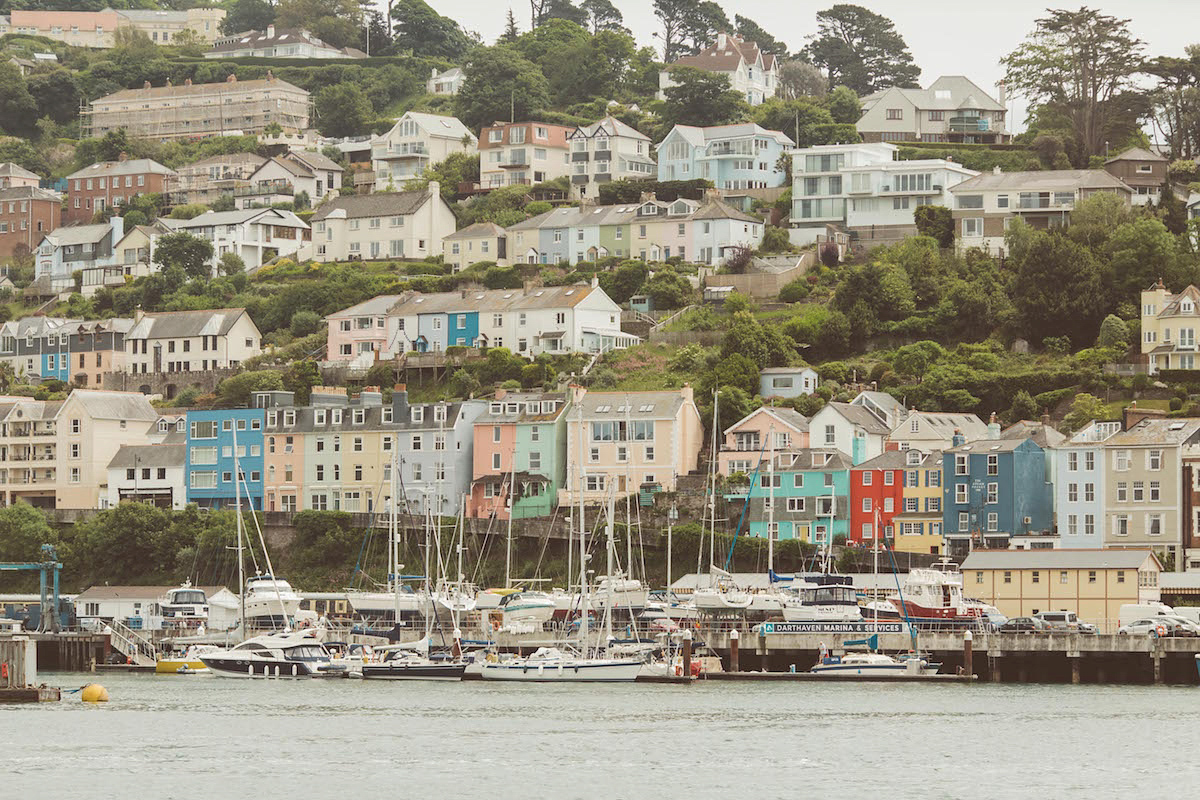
x=628 y=593
x=269 y=601
x=287 y=654
x=872 y=665
x=932 y=597
x=185 y=604
x=528 y=606
x=721 y=595
x=822 y=603
x=405 y=664
x=552 y=664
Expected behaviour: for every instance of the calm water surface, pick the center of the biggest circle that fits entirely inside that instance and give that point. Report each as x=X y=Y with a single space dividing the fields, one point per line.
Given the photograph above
x=191 y=737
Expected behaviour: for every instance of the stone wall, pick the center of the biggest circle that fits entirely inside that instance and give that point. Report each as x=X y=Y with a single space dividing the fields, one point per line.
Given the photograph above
x=167 y=384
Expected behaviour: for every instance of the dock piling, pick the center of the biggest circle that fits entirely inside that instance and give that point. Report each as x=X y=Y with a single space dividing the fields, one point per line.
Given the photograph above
x=733 y=650
x=687 y=652
x=968 y=654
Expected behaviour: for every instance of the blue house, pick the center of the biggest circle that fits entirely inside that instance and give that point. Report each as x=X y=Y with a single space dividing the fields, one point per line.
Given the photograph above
x=811 y=497
x=787 y=381
x=744 y=156
x=210 y=458
x=994 y=489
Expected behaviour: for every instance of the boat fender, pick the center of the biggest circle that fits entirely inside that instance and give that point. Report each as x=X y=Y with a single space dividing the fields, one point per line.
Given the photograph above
x=4 y=671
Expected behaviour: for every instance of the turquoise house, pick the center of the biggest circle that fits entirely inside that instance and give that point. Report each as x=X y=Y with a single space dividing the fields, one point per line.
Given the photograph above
x=811 y=497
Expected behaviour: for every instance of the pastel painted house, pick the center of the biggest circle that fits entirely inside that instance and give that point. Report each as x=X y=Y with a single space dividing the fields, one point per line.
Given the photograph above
x=810 y=494
x=482 y=241
x=1079 y=486
x=787 y=382
x=918 y=525
x=435 y=442
x=212 y=481
x=362 y=332
x=742 y=156
x=750 y=442
x=519 y=456
x=627 y=442
x=993 y=491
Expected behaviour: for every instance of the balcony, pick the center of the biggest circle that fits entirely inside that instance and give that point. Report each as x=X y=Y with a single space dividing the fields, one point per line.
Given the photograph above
x=970 y=125
x=520 y=164
x=264 y=188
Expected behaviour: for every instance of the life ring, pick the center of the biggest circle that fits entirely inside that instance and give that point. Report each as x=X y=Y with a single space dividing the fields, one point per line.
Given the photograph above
x=1160 y=630
x=678 y=671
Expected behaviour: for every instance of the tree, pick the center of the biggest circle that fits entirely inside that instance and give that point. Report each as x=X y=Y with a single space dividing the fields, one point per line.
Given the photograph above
x=18 y=109
x=876 y=292
x=499 y=82
x=591 y=68
x=1177 y=101
x=564 y=10
x=775 y=240
x=458 y=167
x=23 y=531
x=673 y=14
x=189 y=43
x=668 y=289
x=1081 y=64
x=696 y=97
x=1023 y=407
x=343 y=110
x=800 y=79
x=57 y=94
x=843 y=105
x=1113 y=333
x=862 y=50
x=1084 y=409
x=425 y=33
x=751 y=31
x=338 y=22
x=190 y=253
x=703 y=24
x=602 y=15
x=802 y=120
x=1057 y=288
x=248 y=15
x=231 y=264
x=305 y=322
x=937 y=222
x=236 y=389
x=511 y=31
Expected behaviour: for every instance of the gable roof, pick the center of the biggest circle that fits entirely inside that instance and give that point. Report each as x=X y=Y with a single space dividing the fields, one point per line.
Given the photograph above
x=78 y=234
x=947 y=93
x=788 y=416
x=132 y=166
x=1043 y=435
x=180 y=324
x=315 y=161
x=441 y=125
x=725 y=54
x=1157 y=431
x=943 y=424
x=1058 y=558
x=113 y=405
x=212 y=218
x=376 y=204
x=611 y=126
x=857 y=415
x=661 y=405
x=132 y=456
x=10 y=170
x=415 y=303
x=373 y=307
x=252 y=39
x=1136 y=154
x=1044 y=180
x=478 y=230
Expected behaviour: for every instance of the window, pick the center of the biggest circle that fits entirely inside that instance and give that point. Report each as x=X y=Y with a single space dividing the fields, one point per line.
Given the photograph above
x=993 y=465
x=964 y=521
x=1091 y=576
x=1073 y=492
x=1036 y=576
x=1120 y=576
x=895 y=113
x=830 y=436
x=1154 y=460
x=1139 y=491
x=1072 y=462
x=866 y=505
x=1121 y=526
x=1072 y=524
x=960 y=493
x=1089 y=492
x=866 y=478
x=993 y=521
x=889 y=478
x=1155 y=491
x=1121 y=460
x=1122 y=492
x=972 y=227
x=960 y=464
x=1154 y=525
x=795 y=504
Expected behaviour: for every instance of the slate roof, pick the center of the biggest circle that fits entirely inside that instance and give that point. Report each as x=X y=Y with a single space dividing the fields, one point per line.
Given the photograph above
x=802 y=459
x=149 y=455
x=964 y=93
x=213 y=218
x=789 y=416
x=1048 y=180
x=132 y=166
x=890 y=459
x=1156 y=431
x=256 y=39
x=1043 y=435
x=491 y=300
x=374 y=307
x=523 y=414
x=10 y=170
x=376 y=204
x=611 y=126
x=661 y=405
x=114 y=405
x=861 y=417
x=478 y=230
x=180 y=324
x=1056 y=559
x=314 y=160
x=1136 y=154
x=727 y=58
x=441 y=125
x=78 y=234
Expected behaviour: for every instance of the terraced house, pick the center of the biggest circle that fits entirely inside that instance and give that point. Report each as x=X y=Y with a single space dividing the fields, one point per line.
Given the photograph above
x=216 y=442
x=805 y=497
x=918 y=525
x=1079 y=486
x=519 y=455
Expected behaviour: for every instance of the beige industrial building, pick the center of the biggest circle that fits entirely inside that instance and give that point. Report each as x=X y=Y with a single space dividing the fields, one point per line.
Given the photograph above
x=192 y=111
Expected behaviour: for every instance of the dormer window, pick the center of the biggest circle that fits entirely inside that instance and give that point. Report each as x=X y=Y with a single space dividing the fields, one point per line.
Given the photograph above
x=439 y=413
x=1187 y=307
x=418 y=414
x=914 y=457
x=497 y=408
x=162 y=426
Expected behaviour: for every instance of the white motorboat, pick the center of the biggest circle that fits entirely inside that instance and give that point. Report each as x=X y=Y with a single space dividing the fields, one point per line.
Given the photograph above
x=721 y=595
x=528 y=606
x=287 y=654
x=187 y=604
x=269 y=601
x=872 y=665
x=552 y=664
x=822 y=603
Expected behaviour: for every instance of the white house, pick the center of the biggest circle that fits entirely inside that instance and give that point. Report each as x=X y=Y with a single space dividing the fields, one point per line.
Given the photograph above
x=750 y=71
x=148 y=473
x=278 y=43
x=256 y=234
x=952 y=109
x=141 y=606
x=787 y=381
x=445 y=83
x=191 y=341
x=382 y=225
x=608 y=150
x=416 y=141
x=857 y=430
x=864 y=189
x=72 y=248
x=282 y=178
x=132 y=258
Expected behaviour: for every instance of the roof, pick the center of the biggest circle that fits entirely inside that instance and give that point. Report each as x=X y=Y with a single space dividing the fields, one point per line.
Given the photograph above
x=698 y=136
x=635 y=405
x=479 y=229
x=227 y=159
x=138 y=592
x=785 y=370
x=860 y=416
x=437 y=125
x=415 y=303
x=131 y=166
x=610 y=126
x=114 y=405
x=213 y=218
x=149 y=455
x=802 y=459
x=1043 y=180
x=1136 y=154
x=715 y=208
x=180 y=324
x=315 y=160
x=1156 y=431
x=725 y=54
x=266 y=85
x=1043 y=435
x=987 y=446
x=28 y=193
x=788 y=416
x=523 y=412
x=10 y=170
x=943 y=424
x=1057 y=559
x=79 y=234
x=889 y=459
x=254 y=39
x=374 y=307
x=376 y=204
x=947 y=93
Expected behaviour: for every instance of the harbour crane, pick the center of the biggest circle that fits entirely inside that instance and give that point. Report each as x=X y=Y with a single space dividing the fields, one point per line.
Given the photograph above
x=48 y=620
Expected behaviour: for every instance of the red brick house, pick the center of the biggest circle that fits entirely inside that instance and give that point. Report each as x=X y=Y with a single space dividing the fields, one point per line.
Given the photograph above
x=27 y=213
x=876 y=491
x=111 y=183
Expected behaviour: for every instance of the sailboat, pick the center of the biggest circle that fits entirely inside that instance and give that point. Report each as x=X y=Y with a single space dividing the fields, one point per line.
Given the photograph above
x=560 y=664
x=410 y=661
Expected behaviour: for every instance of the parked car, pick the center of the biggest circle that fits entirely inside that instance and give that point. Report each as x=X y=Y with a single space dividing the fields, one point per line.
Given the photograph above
x=1065 y=621
x=1025 y=625
x=1181 y=626
x=1156 y=626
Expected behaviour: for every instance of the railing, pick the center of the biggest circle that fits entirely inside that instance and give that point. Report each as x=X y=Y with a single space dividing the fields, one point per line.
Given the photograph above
x=970 y=125
x=133 y=645
x=264 y=188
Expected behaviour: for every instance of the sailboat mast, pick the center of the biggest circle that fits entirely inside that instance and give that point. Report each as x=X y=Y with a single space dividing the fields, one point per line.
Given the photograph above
x=512 y=476
x=612 y=546
x=583 y=587
x=712 y=479
x=237 y=506
x=771 y=504
x=393 y=536
x=875 y=572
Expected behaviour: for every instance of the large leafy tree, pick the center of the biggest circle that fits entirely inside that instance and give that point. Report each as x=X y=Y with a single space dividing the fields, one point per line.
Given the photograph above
x=594 y=68
x=248 y=15
x=1176 y=97
x=800 y=79
x=751 y=31
x=343 y=110
x=1058 y=289
x=702 y=25
x=602 y=15
x=563 y=9
x=18 y=109
x=424 y=32
x=497 y=82
x=190 y=253
x=1081 y=64
x=338 y=22
x=674 y=15
x=861 y=49
x=702 y=98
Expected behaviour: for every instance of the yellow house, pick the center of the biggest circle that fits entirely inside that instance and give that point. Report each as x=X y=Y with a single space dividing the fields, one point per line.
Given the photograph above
x=1092 y=583
x=918 y=526
x=629 y=441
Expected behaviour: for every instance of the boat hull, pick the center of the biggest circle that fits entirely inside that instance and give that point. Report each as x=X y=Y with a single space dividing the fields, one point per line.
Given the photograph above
x=179 y=666
x=563 y=672
x=414 y=672
x=259 y=668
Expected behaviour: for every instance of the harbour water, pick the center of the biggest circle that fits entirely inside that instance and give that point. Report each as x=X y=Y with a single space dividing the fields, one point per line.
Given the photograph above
x=185 y=737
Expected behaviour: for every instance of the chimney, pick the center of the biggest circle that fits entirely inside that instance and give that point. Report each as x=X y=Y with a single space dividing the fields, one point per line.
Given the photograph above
x=433 y=72
x=1002 y=93
x=187 y=81
x=1045 y=416
x=271 y=31
x=577 y=393
x=722 y=41
x=996 y=170
x=400 y=403
x=958 y=439
x=270 y=75
x=1132 y=415
x=123 y=156
x=688 y=393
x=993 y=427
x=501 y=393
x=434 y=188
x=138 y=315
x=595 y=280
x=647 y=197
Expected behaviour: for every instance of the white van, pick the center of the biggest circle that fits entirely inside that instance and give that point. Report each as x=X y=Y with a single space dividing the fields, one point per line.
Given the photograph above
x=1190 y=613
x=1132 y=611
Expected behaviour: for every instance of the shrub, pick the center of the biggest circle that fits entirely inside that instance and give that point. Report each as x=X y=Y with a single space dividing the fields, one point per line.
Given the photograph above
x=795 y=291
x=1176 y=404
x=1059 y=345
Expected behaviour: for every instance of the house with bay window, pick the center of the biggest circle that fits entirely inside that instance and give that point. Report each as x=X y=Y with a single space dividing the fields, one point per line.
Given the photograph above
x=952 y=109
x=1169 y=323
x=608 y=150
x=413 y=143
x=806 y=496
x=749 y=443
x=523 y=153
x=741 y=156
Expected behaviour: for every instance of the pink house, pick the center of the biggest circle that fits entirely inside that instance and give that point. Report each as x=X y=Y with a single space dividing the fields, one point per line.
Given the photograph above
x=752 y=438
x=362 y=331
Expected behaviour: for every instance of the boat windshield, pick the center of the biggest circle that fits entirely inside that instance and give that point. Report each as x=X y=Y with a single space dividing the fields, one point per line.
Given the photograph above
x=831 y=594
x=188 y=597
x=306 y=653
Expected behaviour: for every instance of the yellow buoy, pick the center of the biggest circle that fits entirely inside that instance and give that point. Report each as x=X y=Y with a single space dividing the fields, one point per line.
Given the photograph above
x=94 y=693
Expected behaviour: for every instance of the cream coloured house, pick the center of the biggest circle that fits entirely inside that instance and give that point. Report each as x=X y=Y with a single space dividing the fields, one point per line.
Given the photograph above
x=1169 y=323
x=382 y=225
x=483 y=241
x=416 y=141
x=190 y=341
x=619 y=443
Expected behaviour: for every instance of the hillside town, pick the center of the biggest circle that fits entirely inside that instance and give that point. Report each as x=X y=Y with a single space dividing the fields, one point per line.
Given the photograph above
x=303 y=258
